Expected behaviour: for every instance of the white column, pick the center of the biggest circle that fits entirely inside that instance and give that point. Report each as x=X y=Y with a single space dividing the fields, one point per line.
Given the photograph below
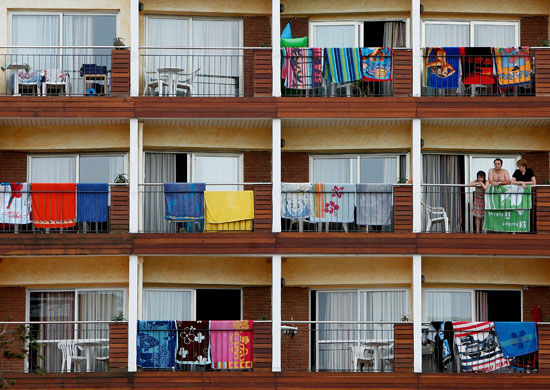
x=415 y=43
x=276 y=175
x=416 y=152
x=132 y=312
x=417 y=311
x=140 y=289
x=134 y=175
x=134 y=47
x=276 y=313
x=141 y=167
x=276 y=46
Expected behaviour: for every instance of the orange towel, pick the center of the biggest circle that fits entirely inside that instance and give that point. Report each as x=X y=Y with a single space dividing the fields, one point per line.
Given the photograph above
x=53 y=204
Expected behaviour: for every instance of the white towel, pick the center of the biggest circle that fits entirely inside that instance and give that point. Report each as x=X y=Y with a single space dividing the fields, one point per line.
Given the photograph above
x=15 y=207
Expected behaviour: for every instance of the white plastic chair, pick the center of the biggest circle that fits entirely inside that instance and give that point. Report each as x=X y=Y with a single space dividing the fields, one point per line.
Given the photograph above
x=152 y=83
x=188 y=82
x=436 y=215
x=57 y=78
x=387 y=358
x=362 y=357
x=70 y=354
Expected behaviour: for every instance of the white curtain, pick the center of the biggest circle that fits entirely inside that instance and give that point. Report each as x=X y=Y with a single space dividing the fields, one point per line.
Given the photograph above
x=395 y=34
x=165 y=305
x=443 y=34
x=36 y=30
x=159 y=168
x=53 y=169
x=329 y=35
x=217 y=169
x=334 y=170
x=494 y=35
x=220 y=71
x=100 y=169
x=381 y=306
x=100 y=305
x=448 y=306
x=379 y=170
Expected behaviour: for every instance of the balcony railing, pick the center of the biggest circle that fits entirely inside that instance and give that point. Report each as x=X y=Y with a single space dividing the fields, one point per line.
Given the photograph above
x=63 y=346
x=455 y=208
x=480 y=347
x=337 y=207
x=485 y=72
x=63 y=208
x=58 y=70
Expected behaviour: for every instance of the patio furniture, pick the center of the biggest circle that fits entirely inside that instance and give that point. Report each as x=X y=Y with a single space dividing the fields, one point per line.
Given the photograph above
x=56 y=79
x=186 y=83
x=436 y=215
x=69 y=351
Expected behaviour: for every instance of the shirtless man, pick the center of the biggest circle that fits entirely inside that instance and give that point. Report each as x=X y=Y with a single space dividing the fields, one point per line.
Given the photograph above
x=497 y=175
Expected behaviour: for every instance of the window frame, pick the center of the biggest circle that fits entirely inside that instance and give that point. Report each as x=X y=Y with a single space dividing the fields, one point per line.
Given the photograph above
x=450 y=290
x=472 y=23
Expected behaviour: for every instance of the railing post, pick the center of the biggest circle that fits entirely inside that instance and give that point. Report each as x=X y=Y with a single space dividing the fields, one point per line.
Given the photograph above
x=415 y=44
x=276 y=46
x=132 y=312
x=134 y=47
x=134 y=175
x=402 y=72
x=404 y=347
x=262 y=73
x=542 y=196
x=544 y=347
x=402 y=209
x=276 y=175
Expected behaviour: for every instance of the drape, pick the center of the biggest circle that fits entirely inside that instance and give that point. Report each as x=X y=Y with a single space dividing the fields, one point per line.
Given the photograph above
x=448 y=305
x=447 y=35
x=53 y=169
x=381 y=306
x=395 y=34
x=378 y=170
x=36 y=30
x=334 y=170
x=159 y=168
x=494 y=35
x=328 y=35
x=482 y=309
x=100 y=305
x=164 y=305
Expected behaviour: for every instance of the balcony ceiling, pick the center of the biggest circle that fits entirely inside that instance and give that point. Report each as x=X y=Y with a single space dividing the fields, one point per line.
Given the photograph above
x=22 y=122
x=209 y=122
x=327 y=122
x=488 y=122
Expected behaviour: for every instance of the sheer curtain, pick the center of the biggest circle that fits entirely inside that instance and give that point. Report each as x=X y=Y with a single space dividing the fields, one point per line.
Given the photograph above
x=379 y=170
x=335 y=170
x=53 y=169
x=395 y=34
x=330 y=35
x=36 y=30
x=100 y=305
x=165 y=305
x=443 y=34
x=220 y=71
x=100 y=169
x=381 y=306
x=217 y=169
x=494 y=35
x=159 y=168
x=448 y=306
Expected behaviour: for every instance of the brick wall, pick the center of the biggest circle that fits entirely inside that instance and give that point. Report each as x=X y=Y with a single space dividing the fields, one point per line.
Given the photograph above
x=534 y=30
x=536 y=296
x=257 y=32
x=257 y=167
x=299 y=26
x=295 y=167
x=539 y=162
x=257 y=303
x=13 y=167
x=295 y=350
x=12 y=306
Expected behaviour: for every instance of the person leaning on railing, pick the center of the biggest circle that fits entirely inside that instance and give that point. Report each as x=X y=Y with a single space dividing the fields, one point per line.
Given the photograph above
x=523 y=176
x=498 y=175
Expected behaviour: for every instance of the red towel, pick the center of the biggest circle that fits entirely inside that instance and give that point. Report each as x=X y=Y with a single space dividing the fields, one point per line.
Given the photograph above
x=53 y=204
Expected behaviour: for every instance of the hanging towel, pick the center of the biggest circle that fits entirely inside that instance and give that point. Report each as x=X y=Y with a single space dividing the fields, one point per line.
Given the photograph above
x=302 y=67
x=513 y=66
x=53 y=205
x=376 y=63
x=478 y=346
x=477 y=65
x=333 y=202
x=374 y=204
x=229 y=210
x=156 y=344
x=15 y=204
x=342 y=65
x=193 y=342
x=517 y=338
x=507 y=208
x=184 y=202
x=92 y=202
x=442 y=336
x=231 y=344
x=295 y=200
x=442 y=67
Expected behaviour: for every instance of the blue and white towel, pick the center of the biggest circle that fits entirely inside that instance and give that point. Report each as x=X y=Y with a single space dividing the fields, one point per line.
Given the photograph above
x=156 y=344
x=295 y=200
x=517 y=338
x=92 y=202
x=184 y=202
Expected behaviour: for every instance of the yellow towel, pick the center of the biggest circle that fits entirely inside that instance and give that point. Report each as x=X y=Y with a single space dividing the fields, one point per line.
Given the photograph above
x=229 y=210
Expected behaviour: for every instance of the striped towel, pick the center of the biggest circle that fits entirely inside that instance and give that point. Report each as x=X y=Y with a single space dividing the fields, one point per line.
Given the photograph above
x=342 y=65
x=302 y=67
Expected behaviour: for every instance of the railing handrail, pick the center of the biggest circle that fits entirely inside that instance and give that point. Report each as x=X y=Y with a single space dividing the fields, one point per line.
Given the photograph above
x=349 y=322
x=216 y=184
x=204 y=48
x=59 y=322
x=467 y=185
x=63 y=47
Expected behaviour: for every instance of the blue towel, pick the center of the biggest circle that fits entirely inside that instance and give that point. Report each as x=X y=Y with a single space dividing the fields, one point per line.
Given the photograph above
x=184 y=202
x=517 y=338
x=441 y=64
x=156 y=344
x=92 y=202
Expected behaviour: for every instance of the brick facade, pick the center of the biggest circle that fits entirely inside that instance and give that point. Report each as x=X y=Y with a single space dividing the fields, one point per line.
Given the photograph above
x=295 y=167
x=539 y=162
x=13 y=167
x=534 y=30
x=257 y=32
x=12 y=307
x=299 y=26
x=257 y=166
x=257 y=303
x=536 y=296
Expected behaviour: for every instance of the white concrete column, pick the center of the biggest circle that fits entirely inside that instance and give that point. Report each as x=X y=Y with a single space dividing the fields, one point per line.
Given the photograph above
x=276 y=175
x=276 y=313
x=134 y=47
x=417 y=311
x=276 y=46
x=134 y=175
x=416 y=152
x=140 y=289
x=415 y=44
x=132 y=312
x=141 y=168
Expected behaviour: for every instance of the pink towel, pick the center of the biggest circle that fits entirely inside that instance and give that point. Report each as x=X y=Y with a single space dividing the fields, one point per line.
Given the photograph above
x=231 y=344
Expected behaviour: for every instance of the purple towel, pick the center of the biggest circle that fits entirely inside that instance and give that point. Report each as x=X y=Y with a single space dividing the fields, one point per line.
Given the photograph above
x=184 y=202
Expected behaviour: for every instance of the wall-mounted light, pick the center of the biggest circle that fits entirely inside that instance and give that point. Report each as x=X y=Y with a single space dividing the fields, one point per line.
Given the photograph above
x=283 y=281
x=421 y=142
x=282 y=8
x=140 y=6
x=421 y=7
x=422 y=279
x=282 y=142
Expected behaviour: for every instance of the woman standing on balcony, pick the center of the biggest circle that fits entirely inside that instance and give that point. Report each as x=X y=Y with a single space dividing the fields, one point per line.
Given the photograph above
x=523 y=176
x=478 y=207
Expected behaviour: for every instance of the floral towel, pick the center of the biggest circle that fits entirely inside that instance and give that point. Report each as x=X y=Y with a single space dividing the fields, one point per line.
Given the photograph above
x=156 y=344
x=302 y=67
x=296 y=199
x=15 y=204
x=231 y=344
x=376 y=63
x=333 y=202
x=513 y=66
x=193 y=342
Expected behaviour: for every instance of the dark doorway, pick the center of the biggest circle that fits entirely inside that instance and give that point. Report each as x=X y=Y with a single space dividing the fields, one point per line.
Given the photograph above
x=181 y=168
x=504 y=305
x=218 y=304
x=373 y=34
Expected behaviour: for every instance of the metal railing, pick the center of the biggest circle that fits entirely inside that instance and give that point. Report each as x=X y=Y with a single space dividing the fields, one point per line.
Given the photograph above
x=365 y=208
x=459 y=208
x=471 y=351
x=197 y=71
x=64 y=211
x=57 y=346
x=477 y=75
x=55 y=70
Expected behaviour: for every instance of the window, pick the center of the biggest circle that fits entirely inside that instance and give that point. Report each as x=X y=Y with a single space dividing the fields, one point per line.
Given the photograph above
x=448 y=305
x=80 y=168
x=358 y=168
x=390 y=33
x=219 y=70
x=470 y=33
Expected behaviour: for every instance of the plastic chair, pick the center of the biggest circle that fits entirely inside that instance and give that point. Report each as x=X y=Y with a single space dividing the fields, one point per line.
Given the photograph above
x=152 y=83
x=56 y=78
x=104 y=350
x=187 y=84
x=70 y=354
x=436 y=215
x=361 y=356
x=387 y=358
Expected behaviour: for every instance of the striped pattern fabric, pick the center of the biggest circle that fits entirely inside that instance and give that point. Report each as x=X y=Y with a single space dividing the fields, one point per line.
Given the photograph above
x=478 y=346
x=342 y=65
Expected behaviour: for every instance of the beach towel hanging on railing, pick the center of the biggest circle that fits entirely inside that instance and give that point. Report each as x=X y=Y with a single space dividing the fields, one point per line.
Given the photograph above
x=302 y=67
x=342 y=65
x=441 y=66
x=376 y=63
x=513 y=66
